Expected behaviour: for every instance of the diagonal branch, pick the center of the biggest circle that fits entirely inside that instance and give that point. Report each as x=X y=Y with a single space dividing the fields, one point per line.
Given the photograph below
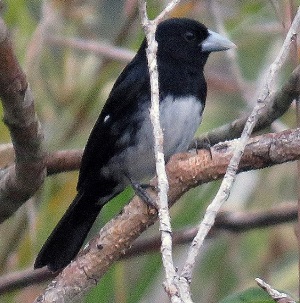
x=237 y=222
x=21 y=180
x=184 y=172
x=232 y=169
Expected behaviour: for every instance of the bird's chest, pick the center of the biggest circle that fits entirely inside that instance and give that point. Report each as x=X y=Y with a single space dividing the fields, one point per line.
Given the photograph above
x=179 y=120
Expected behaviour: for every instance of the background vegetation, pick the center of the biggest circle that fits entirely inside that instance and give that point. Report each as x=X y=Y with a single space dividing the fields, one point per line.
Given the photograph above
x=70 y=86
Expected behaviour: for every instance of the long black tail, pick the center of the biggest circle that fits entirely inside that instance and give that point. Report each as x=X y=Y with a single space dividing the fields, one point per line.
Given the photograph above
x=68 y=236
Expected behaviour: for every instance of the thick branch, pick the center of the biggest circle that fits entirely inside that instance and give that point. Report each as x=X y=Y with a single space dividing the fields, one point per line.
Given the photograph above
x=228 y=221
x=184 y=171
x=20 y=181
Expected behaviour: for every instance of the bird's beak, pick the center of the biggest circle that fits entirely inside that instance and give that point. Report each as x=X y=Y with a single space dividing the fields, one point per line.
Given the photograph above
x=215 y=43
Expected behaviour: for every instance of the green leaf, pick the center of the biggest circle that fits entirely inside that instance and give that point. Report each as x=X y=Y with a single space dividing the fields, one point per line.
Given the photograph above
x=251 y=295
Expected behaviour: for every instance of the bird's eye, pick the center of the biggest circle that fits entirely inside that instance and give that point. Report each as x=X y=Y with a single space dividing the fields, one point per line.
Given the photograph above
x=189 y=36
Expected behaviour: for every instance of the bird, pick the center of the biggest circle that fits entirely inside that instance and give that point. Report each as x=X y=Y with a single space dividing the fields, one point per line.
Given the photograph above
x=119 y=150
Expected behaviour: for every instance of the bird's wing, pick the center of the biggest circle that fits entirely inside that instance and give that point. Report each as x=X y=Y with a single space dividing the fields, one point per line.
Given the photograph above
x=130 y=88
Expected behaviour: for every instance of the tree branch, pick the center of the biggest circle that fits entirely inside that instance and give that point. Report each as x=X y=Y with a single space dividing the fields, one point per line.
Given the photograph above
x=20 y=181
x=275 y=294
x=226 y=221
x=69 y=160
x=104 y=49
x=64 y=160
x=184 y=171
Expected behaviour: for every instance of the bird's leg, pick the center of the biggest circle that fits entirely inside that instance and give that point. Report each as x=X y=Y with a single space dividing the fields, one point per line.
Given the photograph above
x=140 y=190
x=203 y=144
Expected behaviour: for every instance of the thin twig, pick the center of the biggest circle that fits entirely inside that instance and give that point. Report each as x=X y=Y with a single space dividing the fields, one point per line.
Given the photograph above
x=163 y=185
x=223 y=192
x=99 y=48
x=275 y=294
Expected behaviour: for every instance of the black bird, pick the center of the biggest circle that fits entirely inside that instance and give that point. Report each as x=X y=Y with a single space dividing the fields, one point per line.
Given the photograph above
x=120 y=147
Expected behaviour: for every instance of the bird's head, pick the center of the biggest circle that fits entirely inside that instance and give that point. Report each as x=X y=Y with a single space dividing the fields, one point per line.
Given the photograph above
x=188 y=40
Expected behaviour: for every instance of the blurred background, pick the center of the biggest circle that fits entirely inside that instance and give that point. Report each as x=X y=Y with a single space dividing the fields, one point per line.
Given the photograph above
x=72 y=51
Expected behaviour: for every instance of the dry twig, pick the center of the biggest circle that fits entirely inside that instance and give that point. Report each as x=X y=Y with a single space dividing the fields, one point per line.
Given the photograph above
x=224 y=190
x=274 y=294
x=150 y=26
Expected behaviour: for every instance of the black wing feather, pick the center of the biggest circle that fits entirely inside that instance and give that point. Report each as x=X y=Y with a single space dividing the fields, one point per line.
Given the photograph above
x=101 y=145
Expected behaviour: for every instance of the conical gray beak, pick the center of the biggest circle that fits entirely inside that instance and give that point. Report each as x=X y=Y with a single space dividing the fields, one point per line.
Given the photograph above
x=215 y=43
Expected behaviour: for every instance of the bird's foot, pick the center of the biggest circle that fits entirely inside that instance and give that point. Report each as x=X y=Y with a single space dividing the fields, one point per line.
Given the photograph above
x=203 y=144
x=141 y=191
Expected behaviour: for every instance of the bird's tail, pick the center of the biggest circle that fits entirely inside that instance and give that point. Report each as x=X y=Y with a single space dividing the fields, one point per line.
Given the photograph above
x=68 y=236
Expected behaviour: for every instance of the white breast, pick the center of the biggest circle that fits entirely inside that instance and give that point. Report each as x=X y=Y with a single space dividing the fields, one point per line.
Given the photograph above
x=179 y=120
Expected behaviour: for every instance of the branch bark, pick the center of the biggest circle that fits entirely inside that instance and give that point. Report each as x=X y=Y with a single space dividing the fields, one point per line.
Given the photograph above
x=163 y=185
x=21 y=180
x=150 y=26
x=239 y=222
x=277 y=296
x=184 y=171
x=69 y=160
